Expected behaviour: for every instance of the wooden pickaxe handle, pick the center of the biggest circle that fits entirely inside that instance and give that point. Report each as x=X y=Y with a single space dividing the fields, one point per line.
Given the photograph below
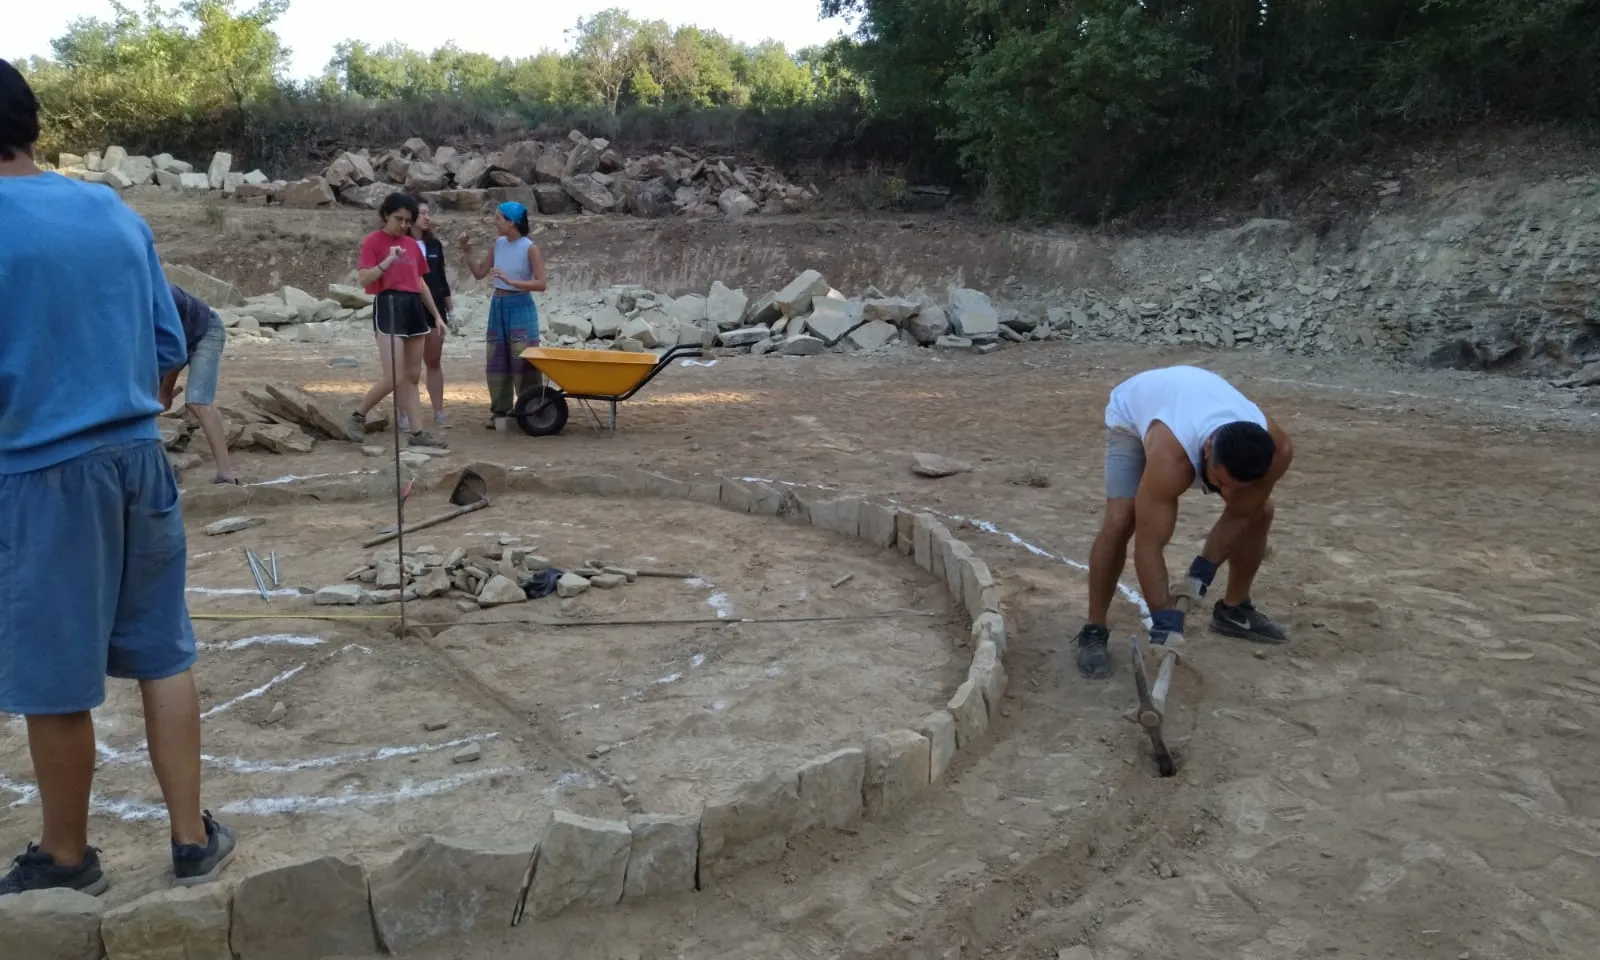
x=430 y=522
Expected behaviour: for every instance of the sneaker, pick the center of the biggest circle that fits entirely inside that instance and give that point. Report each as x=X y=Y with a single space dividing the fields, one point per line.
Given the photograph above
x=1094 y=660
x=355 y=427
x=35 y=870
x=193 y=864
x=405 y=423
x=1245 y=622
x=422 y=438
x=440 y=420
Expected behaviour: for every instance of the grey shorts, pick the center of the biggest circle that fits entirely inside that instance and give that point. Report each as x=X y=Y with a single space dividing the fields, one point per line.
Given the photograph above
x=1124 y=464
x=205 y=366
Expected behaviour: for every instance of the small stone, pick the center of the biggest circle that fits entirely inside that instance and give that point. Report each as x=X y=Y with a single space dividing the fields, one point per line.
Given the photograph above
x=434 y=726
x=934 y=466
x=607 y=581
x=277 y=713
x=471 y=753
x=500 y=590
x=953 y=343
x=233 y=525
x=800 y=345
x=570 y=585
x=372 y=450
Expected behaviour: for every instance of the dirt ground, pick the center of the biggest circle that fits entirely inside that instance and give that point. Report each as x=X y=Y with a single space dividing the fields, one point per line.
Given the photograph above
x=1412 y=776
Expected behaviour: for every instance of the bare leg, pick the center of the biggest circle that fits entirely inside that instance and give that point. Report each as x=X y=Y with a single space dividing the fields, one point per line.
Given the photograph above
x=1107 y=558
x=385 y=385
x=172 y=726
x=410 y=378
x=216 y=437
x=1245 y=559
x=432 y=359
x=62 y=747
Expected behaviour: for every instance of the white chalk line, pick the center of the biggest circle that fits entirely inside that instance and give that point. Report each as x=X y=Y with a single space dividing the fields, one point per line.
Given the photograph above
x=283 y=677
x=1133 y=596
x=240 y=592
x=267 y=640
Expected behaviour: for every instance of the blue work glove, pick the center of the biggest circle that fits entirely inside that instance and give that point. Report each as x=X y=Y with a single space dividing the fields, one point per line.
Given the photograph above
x=1164 y=623
x=1202 y=571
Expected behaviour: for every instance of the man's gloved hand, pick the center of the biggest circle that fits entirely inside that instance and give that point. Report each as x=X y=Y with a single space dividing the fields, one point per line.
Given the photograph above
x=1165 y=623
x=1202 y=572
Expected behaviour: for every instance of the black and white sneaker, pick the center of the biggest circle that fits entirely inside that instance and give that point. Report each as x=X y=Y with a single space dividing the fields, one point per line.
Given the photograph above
x=1094 y=660
x=193 y=864
x=1245 y=622
x=36 y=870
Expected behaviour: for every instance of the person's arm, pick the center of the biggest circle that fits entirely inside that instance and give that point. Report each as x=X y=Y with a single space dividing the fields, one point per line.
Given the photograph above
x=477 y=266
x=172 y=350
x=1244 y=505
x=167 y=389
x=1167 y=474
x=374 y=261
x=433 y=308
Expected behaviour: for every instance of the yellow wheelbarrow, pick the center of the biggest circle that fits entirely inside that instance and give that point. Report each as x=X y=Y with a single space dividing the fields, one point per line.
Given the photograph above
x=601 y=376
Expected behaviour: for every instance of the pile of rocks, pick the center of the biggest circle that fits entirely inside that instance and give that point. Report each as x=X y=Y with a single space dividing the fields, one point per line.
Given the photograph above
x=114 y=167
x=484 y=575
x=577 y=175
x=808 y=316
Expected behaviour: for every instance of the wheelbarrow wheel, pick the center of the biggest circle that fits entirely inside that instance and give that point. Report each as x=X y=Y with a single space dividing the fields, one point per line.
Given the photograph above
x=542 y=413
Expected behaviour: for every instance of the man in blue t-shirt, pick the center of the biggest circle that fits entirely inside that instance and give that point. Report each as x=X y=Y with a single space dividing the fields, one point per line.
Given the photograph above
x=205 y=336
x=92 y=544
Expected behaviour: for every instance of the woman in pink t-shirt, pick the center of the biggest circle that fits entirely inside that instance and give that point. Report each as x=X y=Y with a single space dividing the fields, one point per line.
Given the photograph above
x=391 y=268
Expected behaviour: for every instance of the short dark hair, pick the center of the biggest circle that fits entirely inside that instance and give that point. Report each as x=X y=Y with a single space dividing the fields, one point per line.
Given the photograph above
x=395 y=202
x=1244 y=449
x=19 y=113
x=521 y=223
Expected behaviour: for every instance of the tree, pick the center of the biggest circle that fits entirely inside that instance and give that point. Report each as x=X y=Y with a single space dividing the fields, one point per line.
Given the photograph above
x=606 y=53
x=238 y=51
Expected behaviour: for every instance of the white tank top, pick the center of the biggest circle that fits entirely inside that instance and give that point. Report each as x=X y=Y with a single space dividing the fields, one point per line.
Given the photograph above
x=1192 y=402
x=511 y=256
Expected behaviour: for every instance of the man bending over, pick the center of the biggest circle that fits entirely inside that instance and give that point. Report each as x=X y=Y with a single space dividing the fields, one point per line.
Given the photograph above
x=205 y=336
x=1168 y=430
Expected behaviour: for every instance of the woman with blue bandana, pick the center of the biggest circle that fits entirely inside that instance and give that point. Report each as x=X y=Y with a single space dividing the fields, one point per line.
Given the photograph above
x=518 y=272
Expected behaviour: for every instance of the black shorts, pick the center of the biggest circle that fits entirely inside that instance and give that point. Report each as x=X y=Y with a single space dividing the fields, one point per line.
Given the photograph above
x=399 y=313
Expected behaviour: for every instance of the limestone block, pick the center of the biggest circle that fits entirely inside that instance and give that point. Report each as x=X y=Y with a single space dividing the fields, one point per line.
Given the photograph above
x=839 y=515
x=51 y=925
x=990 y=626
x=876 y=525
x=897 y=770
x=975 y=579
x=749 y=827
x=582 y=863
x=988 y=674
x=662 y=857
x=940 y=729
x=313 y=908
x=442 y=889
x=830 y=790
x=182 y=923
x=904 y=531
x=971 y=715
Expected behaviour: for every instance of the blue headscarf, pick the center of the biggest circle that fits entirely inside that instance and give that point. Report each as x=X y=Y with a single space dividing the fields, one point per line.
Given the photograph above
x=513 y=211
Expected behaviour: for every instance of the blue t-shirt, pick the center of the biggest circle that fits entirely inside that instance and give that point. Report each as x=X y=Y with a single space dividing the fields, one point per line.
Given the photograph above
x=88 y=326
x=195 y=314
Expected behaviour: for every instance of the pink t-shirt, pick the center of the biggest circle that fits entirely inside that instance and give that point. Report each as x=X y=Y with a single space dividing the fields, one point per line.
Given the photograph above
x=404 y=274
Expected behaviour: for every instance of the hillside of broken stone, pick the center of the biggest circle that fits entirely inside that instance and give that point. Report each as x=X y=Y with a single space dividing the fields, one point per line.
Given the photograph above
x=1491 y=271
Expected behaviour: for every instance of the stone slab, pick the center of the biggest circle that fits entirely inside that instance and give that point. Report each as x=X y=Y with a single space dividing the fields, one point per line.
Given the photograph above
x=922 y=525
x=988 y=674
x=876 y=525
x=583 y=862
x=940 y=729
x=661 y=860
x=991 y=627
x=897 y=770
x=183 y=923
x=957 y=555
x=51 y=925
x=839 y=515
x=441 y=889
x=904 y=536
x=313 y=908
x=975 y=579
x=971 y=714
x=749 y=827
x=830 y=790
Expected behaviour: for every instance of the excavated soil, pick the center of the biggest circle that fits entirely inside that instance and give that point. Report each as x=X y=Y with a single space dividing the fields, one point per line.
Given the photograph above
x=1412 y=776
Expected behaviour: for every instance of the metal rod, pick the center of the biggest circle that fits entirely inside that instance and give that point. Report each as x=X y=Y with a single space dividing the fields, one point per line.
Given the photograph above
x=274 y=559
x=250 y=560
x=399 y=499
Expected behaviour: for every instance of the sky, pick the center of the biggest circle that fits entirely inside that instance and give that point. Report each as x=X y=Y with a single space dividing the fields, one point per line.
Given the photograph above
x=312 y=27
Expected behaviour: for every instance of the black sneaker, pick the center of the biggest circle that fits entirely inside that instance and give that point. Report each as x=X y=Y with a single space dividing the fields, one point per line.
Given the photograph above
x=1245 y=622
x=1094 y=660
x=194 y=864
x=35 y=870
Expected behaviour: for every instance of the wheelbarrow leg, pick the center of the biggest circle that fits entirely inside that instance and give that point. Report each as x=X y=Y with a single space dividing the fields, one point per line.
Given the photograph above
x=613 y=418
